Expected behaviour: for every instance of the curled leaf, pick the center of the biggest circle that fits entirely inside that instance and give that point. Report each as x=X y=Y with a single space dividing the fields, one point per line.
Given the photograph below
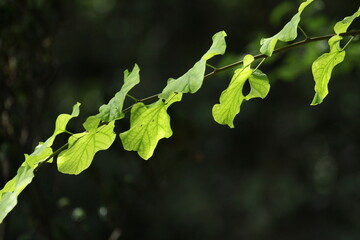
x=232 y=97
x=288 y=33
x=192 y=80
x=10 y=192
x=323 y=66
x=43 y=150
x=113 y=110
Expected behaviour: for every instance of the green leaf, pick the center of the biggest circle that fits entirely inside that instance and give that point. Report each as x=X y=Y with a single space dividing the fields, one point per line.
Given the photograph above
x=7 y=203
x=323 y=66
x=83 y=147
x=343 y=25
x=259 y=85
x=63 y=119
x=322 y=69
x=25 y=174
x=19 y=182
x=192 y=80
x=43 y=150
x=91 y=124
x=113 y=110
x=218 y=46
x=9 y=194
x=39 y=156
x=232 y=98
x=148 y=124
x=288 y=33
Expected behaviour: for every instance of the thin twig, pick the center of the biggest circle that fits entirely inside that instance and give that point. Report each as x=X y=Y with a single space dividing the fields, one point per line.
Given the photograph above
x=235 y=64
x=282 y=49
x=303 y=32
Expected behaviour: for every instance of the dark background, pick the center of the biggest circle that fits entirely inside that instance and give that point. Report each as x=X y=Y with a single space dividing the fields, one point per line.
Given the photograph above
x=287 y=170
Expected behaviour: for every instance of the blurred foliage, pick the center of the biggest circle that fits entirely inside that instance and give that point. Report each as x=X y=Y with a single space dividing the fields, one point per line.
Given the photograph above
x=287 y=170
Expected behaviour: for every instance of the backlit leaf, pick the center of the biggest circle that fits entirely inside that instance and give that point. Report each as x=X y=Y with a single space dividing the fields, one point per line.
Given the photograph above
x=39 y=156
x=343 y=25
x=288 y=33
x=91 y=124
x=113 y=110
x=9 y=194
x=83 y=147
x=259 y=85
x=192 y=80
x=322 y=69
x=148 y=124
x=25 y=174
x=232 y=98
x=43 y=149
x=323 y=66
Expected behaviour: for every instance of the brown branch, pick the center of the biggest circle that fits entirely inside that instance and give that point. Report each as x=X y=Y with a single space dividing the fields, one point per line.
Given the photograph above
x=278 y=50
x=282 y=49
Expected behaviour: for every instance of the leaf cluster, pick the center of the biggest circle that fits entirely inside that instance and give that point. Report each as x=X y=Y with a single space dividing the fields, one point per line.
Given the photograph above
x=149 y=123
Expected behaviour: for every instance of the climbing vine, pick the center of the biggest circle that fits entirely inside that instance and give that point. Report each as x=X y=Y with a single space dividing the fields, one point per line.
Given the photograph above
x=149 y=119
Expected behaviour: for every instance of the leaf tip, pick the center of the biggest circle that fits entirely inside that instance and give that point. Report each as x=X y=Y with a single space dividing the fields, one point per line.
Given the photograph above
x=316 y=100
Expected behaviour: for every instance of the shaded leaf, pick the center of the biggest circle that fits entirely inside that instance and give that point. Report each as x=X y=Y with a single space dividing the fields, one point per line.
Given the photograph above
x=259 y=85
x=148 y=124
